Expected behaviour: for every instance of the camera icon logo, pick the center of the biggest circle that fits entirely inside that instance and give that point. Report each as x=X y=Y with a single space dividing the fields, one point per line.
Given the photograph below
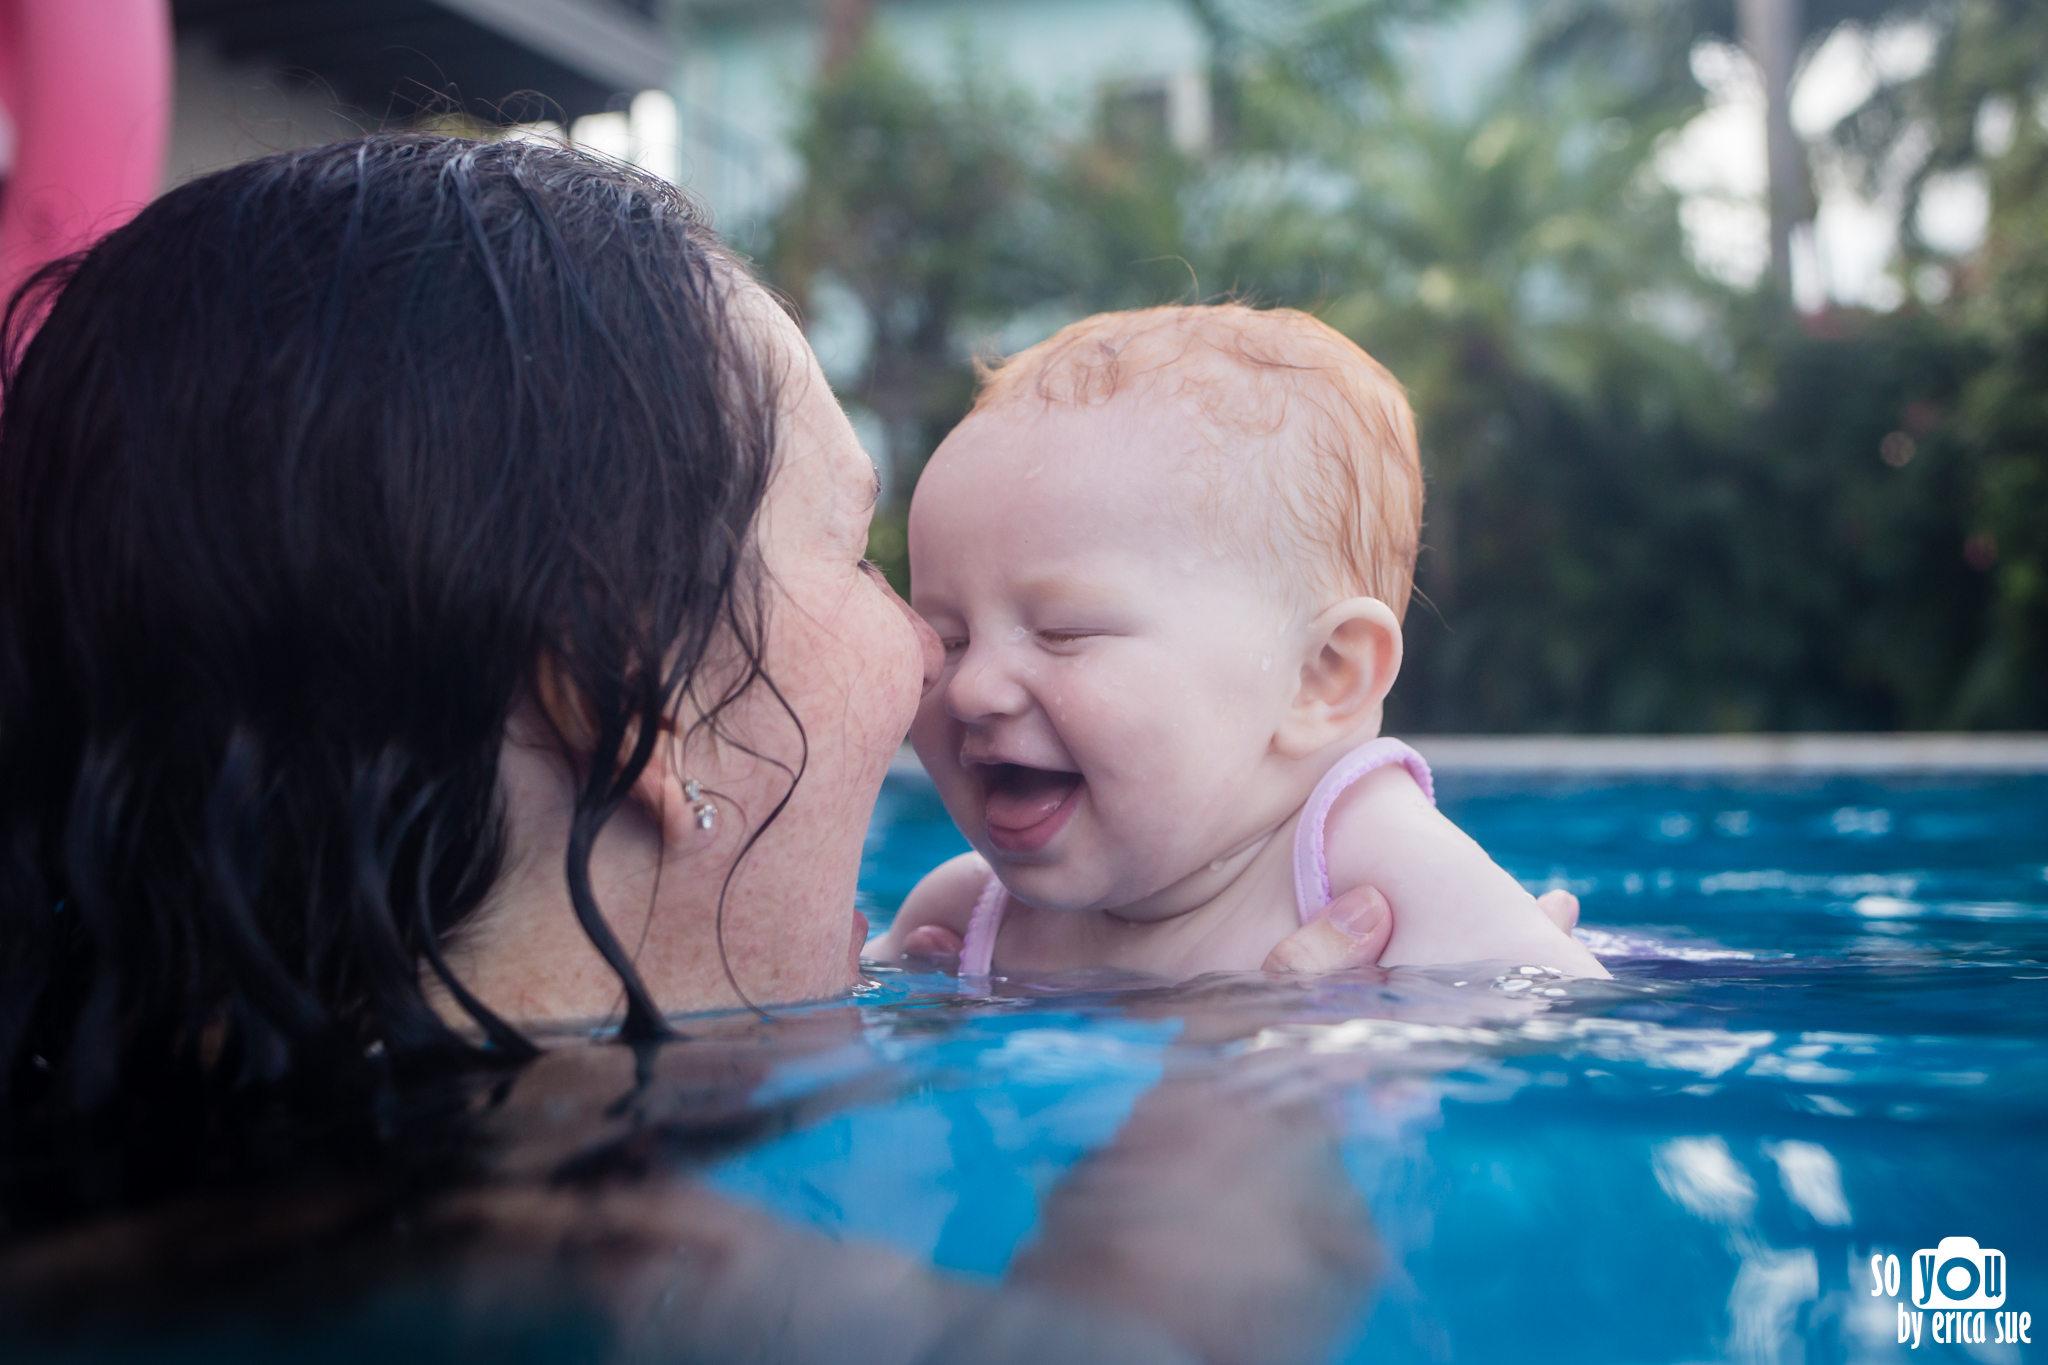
x=1958 y=1274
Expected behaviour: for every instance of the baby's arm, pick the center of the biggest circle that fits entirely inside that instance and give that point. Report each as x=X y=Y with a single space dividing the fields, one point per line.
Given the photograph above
x=1451 y=902
x=933 y=920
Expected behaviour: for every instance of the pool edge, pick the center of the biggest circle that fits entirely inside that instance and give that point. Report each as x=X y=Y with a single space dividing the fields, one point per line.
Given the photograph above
x=1817 y=753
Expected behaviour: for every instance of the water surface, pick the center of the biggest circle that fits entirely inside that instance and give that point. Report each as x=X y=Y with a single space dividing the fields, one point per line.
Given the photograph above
x=1827 y=1038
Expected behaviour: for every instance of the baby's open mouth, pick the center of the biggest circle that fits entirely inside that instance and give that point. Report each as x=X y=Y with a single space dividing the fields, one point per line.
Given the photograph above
x=1026 y=807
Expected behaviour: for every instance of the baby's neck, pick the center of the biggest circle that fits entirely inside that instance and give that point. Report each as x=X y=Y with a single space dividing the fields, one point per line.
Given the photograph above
x=1225 y=916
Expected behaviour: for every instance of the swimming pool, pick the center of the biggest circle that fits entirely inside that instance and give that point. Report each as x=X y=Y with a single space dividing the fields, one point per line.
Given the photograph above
x=1827 y=1040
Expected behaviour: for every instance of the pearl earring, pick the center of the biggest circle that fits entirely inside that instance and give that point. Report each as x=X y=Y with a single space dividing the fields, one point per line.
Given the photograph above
x=706 y=813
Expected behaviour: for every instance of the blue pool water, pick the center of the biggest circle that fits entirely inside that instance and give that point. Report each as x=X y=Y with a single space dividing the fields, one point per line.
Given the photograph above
x=1827 y=1039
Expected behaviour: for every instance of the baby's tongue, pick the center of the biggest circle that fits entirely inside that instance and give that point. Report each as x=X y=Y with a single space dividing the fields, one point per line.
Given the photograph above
x=1020 y=797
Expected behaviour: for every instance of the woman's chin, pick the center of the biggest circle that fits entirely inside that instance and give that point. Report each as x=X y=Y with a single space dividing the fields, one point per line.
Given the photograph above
x=860 y=939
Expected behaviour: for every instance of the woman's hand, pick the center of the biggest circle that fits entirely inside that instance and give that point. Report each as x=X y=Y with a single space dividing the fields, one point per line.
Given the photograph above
x=1353 y=931
x=1560 y=908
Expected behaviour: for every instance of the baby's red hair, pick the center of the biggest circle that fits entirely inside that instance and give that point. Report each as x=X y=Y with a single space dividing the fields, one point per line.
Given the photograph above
x=1330 y=429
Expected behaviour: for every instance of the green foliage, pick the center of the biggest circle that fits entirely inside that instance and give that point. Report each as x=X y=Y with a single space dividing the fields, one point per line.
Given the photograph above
x=1654 y=503
x=1983 y=98
x=909 y=201
x=2003 y=416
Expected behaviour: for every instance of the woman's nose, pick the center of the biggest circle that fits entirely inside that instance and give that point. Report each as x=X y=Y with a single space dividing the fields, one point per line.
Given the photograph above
x=934 y=650
x=932 y=653
x=981 y=688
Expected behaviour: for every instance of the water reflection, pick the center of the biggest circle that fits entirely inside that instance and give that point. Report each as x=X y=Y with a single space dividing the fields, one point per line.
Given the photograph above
x=1832 y=1046
x=1216 y=1223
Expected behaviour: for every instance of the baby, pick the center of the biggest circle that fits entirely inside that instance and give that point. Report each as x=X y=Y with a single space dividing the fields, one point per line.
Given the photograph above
x=1168 y=554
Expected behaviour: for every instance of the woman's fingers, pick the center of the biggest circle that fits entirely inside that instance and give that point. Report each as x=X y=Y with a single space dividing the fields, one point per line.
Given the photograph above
x=1560 y=908
x=1352 y=932
x=931 y=940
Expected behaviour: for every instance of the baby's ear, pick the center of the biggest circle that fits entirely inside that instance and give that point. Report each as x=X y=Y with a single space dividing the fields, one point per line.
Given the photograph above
x=1353 y=654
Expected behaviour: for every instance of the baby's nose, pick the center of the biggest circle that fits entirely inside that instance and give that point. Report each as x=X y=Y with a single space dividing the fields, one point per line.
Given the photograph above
x=982 y=689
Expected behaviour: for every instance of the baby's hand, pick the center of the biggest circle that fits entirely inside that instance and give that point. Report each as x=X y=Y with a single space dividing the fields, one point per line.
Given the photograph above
x=932 y=940
x=934 y=917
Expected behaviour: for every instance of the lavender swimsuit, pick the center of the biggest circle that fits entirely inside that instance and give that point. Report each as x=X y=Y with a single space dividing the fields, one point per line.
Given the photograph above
x=1311 y=856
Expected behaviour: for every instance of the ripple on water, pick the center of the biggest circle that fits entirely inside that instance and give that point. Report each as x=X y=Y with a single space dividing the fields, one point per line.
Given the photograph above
x=1827 y=1036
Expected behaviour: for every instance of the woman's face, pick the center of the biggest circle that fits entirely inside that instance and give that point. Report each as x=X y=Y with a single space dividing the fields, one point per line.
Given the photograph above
x=845 y=663
x=850 y=660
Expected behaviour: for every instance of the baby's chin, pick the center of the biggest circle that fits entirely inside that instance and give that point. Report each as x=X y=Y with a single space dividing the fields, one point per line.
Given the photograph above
x=1070 y=882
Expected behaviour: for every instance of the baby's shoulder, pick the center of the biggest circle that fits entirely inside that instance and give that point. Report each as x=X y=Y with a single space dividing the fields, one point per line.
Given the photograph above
x=1385 y=821
x=1387 y=796
x=945 y=897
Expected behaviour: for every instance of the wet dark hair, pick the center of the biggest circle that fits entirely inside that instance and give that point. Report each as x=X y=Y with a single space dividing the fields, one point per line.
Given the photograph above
x=303 y=473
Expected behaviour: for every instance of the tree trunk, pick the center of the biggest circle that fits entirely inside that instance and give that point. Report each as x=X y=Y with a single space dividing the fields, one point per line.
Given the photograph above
x=1770 y=33
x=846 y=23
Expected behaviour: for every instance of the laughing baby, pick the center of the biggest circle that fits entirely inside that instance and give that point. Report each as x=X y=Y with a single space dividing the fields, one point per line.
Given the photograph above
x=1168 y=554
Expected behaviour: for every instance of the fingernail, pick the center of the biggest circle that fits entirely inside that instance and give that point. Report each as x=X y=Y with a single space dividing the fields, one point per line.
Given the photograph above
x=1359 y=918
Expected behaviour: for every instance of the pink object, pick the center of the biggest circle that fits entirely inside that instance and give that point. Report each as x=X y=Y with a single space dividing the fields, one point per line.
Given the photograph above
x=1311 y=854
x=978 y=949
x=87 y=86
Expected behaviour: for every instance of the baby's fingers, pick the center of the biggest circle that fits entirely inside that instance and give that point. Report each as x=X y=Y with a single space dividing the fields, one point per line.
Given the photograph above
x=1560 y=908
x=931 y=940
x=1352 y=932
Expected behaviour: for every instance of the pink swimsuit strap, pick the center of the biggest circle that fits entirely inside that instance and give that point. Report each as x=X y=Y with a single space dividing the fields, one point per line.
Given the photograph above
x=1311 y=856
x=1311 y=853
x=978 y=949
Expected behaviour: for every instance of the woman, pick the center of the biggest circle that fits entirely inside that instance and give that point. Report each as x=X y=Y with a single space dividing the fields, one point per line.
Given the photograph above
x=432 y=605
x=434 y=596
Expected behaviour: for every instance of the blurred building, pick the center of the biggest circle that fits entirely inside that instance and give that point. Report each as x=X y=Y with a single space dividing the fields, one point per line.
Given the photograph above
x=747 y=66
x=260 y=75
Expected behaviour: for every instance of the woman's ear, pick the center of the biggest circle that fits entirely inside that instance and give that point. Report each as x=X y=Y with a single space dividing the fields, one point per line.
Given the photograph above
x=1353 y=655
x=662 y=791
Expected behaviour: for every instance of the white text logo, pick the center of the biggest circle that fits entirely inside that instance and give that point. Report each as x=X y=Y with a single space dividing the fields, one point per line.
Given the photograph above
x=1956 y=1289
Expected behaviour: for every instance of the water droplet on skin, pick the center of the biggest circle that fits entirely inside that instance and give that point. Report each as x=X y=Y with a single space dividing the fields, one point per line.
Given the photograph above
x=1265 y=663
x=1216 y=865
x=1017 y=633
